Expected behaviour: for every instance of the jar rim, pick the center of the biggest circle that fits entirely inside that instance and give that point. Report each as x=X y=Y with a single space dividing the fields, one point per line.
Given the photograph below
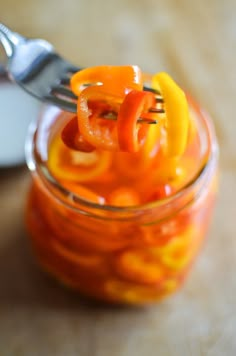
x=74 y=198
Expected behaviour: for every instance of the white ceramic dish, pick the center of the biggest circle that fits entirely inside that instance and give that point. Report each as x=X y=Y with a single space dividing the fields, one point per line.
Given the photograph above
x=17 y=110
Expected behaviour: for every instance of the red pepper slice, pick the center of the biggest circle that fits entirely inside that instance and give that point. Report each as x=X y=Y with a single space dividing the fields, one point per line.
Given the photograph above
x=131 y=134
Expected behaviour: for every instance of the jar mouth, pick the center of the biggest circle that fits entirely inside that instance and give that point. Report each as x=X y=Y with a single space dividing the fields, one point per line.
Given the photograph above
x=75 y=201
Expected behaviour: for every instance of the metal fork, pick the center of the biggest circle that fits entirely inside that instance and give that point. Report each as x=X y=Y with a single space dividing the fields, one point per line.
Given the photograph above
x=36 y=67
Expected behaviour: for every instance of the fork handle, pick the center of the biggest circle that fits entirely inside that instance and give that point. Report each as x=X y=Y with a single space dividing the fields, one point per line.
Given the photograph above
x=9 y=39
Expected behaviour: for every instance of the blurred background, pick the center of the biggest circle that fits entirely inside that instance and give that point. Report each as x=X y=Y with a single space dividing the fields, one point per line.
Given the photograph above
x=195 y=41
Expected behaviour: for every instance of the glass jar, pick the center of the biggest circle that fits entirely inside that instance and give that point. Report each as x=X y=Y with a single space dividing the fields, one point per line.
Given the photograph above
x=133 y=255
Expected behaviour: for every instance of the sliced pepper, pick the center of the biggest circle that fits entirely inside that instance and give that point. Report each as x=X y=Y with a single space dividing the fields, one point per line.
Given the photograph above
x=98 y=131
x=131 y=134
x=118 y=79
x=67 y=164
x=176 y=121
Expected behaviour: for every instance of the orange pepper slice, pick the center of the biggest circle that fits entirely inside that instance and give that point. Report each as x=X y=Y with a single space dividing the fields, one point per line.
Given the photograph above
x=131 y=134
x=118 y=79
x=176 y=121
x=99 y=132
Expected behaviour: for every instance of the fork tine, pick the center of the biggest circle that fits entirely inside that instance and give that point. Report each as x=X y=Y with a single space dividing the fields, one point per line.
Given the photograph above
x=156 y=111
x=72 y=107
x=159 y=99
x=61 y=90
x=154 y=91
x=65 y=80
x=66 y=93
x=62 y=103
x=72 y=69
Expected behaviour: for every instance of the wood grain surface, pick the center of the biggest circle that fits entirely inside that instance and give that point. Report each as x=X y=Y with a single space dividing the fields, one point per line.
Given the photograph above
x=195 y=41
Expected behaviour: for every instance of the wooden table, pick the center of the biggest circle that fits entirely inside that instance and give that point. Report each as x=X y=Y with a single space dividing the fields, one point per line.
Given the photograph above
x=195 y=41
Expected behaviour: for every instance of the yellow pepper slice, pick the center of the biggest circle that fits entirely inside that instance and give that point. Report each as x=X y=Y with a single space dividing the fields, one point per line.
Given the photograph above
x=176 y=120
x=76 y=166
